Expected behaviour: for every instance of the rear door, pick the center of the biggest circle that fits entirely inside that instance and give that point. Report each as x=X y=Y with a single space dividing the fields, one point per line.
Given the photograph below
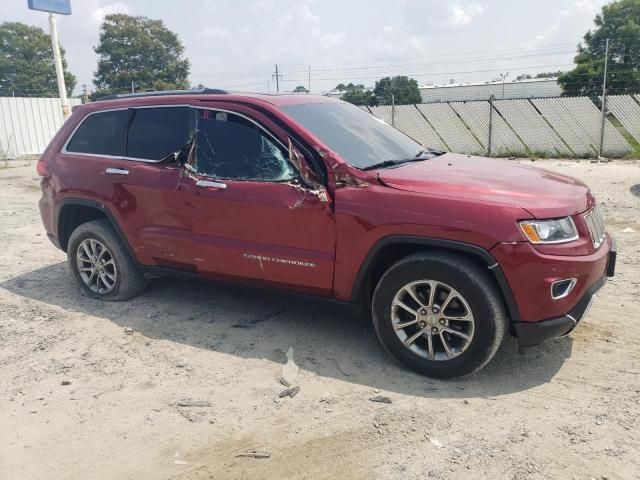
x=119 y=152
x=252 y=217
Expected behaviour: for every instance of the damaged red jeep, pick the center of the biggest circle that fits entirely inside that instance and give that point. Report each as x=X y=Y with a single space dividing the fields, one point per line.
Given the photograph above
x=450 y=253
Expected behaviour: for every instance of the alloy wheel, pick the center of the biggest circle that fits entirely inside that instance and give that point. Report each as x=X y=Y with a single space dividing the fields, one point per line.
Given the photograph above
x=96 y=266
x=432 y=319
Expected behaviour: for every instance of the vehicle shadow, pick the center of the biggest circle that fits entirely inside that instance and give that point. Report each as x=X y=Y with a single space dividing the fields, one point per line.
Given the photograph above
x=328 y=339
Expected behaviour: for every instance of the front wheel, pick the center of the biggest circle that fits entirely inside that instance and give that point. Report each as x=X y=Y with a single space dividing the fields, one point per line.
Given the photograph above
x=440 y=314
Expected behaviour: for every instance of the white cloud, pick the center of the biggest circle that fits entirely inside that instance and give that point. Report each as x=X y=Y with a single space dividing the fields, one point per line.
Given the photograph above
x=214 y=31
x=545 y=36
x=331 y=39
x=118 y=7
x=461 y=15
x=587 y=7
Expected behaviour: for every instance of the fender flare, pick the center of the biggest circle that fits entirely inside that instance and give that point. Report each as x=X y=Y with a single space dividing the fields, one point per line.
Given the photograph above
x=452 y=245
x=101 y=207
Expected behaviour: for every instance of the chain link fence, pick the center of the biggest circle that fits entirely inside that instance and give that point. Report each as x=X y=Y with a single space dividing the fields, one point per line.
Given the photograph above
x=547 y=127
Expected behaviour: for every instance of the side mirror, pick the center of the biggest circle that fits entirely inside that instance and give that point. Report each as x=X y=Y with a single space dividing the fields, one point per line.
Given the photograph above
x=307 y=175
x=295 y=157
x=182 y=157
x=169 y=158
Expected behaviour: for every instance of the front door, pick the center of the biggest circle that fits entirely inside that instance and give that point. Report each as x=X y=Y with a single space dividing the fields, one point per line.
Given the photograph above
x=251 y=215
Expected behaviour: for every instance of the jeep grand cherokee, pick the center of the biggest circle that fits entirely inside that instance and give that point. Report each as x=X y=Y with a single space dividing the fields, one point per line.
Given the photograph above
x=309 y=194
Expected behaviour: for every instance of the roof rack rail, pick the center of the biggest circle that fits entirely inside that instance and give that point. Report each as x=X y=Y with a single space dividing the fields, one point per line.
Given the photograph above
x=152 y=93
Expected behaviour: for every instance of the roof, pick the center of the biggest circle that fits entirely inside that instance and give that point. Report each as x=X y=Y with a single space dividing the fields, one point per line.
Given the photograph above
x=203 y=95
x=493 y=82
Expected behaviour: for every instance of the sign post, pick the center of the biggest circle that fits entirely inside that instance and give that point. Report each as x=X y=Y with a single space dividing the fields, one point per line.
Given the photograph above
x=62 y=7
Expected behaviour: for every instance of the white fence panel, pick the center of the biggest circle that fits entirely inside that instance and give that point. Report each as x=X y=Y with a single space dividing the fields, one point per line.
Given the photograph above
x=27 y=125
x=450 y=128
x=383 y=113
x=476 y=116
x=625 y=108
x=585 y=112
x=565 y=125
x=531 y=127
x=409 y=120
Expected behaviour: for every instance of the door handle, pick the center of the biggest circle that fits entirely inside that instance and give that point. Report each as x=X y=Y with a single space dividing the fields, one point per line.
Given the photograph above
x=117 y=171
x=210 y=184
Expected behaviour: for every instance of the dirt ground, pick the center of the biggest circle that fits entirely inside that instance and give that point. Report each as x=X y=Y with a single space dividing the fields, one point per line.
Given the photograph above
x=189 y=389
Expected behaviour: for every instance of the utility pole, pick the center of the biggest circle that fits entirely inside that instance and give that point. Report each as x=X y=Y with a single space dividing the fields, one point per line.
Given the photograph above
x=604 y=98
x=309 y=87
x=133 y=89
x=278 y=78
x=62 y=89
x=490 y=125
x=85 y=95
x=504 y=77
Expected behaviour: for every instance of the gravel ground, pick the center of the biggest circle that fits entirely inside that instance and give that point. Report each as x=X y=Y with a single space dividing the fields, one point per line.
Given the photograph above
x=184 y=392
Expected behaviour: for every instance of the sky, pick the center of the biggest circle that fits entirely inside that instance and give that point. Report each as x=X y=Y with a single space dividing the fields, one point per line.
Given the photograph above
x=235 y=44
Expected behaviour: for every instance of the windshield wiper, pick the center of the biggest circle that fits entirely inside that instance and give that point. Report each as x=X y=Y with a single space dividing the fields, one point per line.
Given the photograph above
x=420 y=156
x=430 y=151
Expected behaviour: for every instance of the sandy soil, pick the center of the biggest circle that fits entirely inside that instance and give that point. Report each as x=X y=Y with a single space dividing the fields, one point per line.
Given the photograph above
x=81 y=399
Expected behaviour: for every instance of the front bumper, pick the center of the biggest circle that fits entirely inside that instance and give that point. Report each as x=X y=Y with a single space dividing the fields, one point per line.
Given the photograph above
x=535 y=333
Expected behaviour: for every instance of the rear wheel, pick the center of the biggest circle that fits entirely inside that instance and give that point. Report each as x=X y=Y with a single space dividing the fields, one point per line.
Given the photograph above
x=101 y=265
x=439 y=314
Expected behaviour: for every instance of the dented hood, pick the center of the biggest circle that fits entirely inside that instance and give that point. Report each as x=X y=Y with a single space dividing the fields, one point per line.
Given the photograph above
x=542 y=193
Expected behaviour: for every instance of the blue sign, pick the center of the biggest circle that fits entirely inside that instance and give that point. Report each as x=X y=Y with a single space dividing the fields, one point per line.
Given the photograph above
x=62 y=7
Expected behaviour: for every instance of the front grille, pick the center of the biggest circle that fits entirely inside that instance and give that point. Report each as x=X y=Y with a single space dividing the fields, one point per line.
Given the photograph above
x=595 y=224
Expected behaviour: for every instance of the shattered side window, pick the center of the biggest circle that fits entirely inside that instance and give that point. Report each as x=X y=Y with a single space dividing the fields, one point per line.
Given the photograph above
x=231 y=147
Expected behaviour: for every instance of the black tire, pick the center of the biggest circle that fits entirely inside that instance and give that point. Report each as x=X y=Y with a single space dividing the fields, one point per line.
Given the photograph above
x=477 y=288
x=129 y=281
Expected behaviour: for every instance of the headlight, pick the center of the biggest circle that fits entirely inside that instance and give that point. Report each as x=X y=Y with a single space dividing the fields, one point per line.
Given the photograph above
x=559 y=230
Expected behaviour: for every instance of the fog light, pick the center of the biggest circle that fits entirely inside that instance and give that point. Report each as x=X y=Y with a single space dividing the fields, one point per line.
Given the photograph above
x=562 y=288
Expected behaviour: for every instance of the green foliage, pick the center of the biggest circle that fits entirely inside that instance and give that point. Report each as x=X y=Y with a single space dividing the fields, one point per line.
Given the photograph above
x=549 y=74
x=356 y=94
x=142 y=51
x=26 y=63
x=620 y=22
x=404 y=89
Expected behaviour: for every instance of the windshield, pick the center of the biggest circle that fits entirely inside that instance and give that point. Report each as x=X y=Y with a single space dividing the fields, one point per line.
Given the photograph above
x=361 y=139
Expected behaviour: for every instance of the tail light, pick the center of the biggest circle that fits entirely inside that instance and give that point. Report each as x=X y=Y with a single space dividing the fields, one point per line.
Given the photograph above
x=41 y=167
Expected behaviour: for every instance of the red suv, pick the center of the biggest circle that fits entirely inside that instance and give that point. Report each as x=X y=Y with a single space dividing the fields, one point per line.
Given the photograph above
x=309 y=194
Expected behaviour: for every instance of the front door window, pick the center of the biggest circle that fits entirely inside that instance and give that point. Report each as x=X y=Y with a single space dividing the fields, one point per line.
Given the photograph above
x=231 y=147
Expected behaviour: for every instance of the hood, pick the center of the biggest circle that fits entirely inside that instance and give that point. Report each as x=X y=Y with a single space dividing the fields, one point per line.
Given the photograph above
x=542 y=193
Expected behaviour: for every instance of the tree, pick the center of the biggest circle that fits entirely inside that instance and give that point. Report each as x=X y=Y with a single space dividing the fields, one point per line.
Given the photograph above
x=356 y=94
x=26 y=63
x=404 y=89
x=620 y=23
x=139 y=50
x=549 y=74
x=300 y=89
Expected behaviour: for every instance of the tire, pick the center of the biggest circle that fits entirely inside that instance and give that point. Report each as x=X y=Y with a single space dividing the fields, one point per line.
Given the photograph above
x=475 y=299
x=120 y=277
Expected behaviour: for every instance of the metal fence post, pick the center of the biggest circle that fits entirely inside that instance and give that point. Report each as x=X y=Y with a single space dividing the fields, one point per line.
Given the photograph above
x=393 y=110
x=604 y=98
x=489 y=141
